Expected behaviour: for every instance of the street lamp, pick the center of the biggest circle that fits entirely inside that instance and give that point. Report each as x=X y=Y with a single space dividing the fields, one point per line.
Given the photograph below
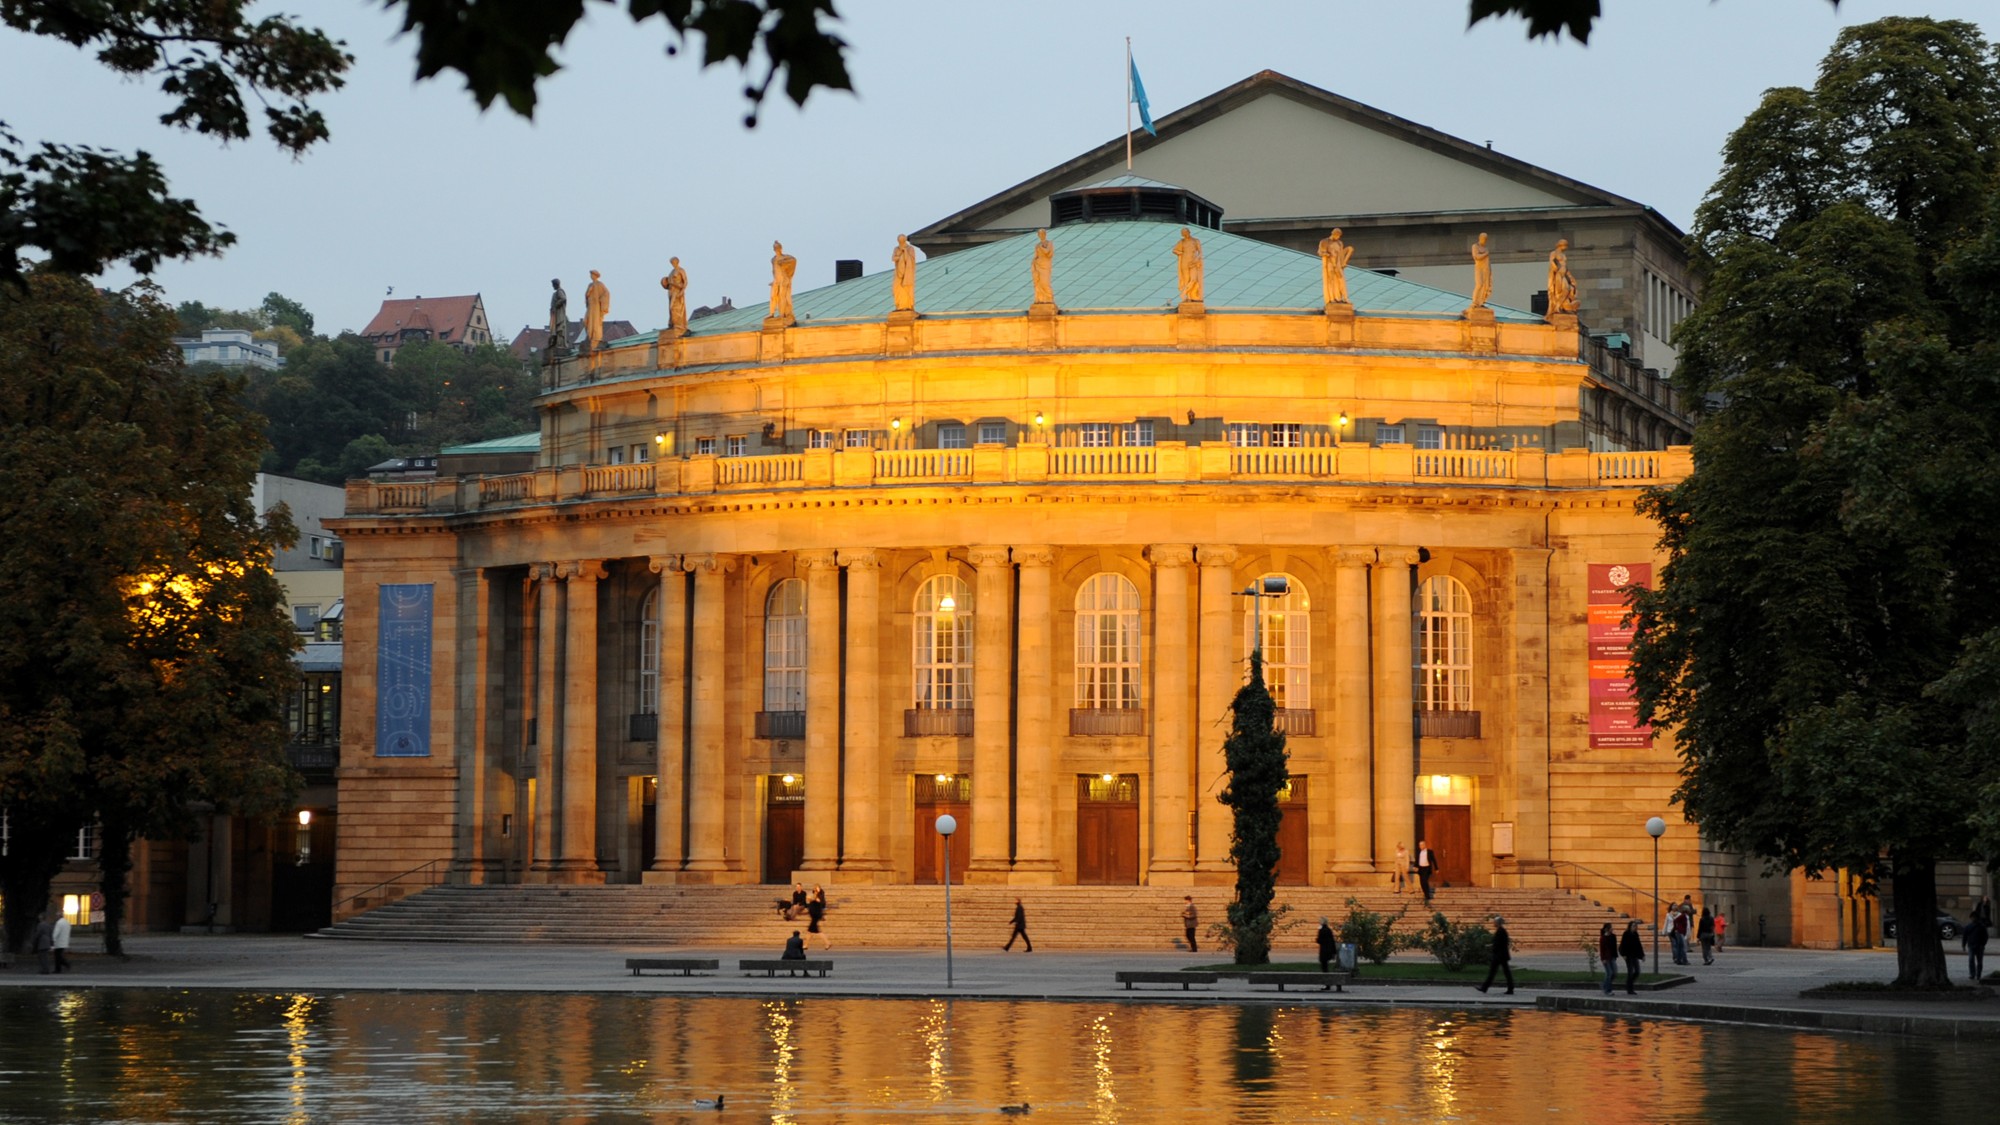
x=1270 y=586
x=305 y=836
x=946 y=825
x=1656 y=828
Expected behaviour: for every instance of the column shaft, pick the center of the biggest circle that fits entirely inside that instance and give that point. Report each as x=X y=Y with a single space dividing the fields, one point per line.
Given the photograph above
x=822 y=843
x=861 y=844
x=1173 y=700
x=1353 y=793
x=1395 y=741
x=670 y=789
x=1034 y=823
x=706 y=808
x=577 y=854
x=992 y=674
x=545 y=642
x=1219 y=675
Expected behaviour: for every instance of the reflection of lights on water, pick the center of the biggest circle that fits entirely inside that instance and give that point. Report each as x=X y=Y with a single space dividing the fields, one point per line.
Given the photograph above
x=779 y=1026
x=1100 y=1065
x=1442 y=1069
x=69 y=1013
x=297 y=1031
x=936 y=1027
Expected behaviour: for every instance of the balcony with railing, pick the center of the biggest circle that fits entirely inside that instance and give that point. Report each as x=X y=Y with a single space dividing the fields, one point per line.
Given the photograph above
x=315 y=761
x=1447 y=724
x=948 y=722
x=1302 y=721
x=642 y=728
x=781 y=724
x=1102 y=721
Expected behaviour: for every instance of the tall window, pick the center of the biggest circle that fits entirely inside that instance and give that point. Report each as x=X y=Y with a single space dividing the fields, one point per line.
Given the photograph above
x=1095 y=435
x=785 y=647
x=1287 y=630
x=942 y=636
x=739 y=445
x=1444 y=645
x=1107 y=643
x=649 y=652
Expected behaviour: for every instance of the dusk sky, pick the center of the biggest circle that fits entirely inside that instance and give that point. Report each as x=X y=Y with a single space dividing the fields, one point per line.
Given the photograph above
x=633 y=156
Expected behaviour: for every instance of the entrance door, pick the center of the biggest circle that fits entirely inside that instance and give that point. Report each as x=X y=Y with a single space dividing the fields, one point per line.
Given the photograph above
x=649 y=821
x=936 y=795
x=1107 y=828
x=1294 y=868
x=1449 y=830
x=784 y=827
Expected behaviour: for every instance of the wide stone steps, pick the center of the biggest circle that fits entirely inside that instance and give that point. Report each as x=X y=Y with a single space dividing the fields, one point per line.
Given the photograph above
x=905 y=917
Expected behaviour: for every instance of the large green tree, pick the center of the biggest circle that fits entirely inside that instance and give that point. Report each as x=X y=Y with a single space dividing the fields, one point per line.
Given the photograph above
x=1255 y=755
x=1837 y=547
x=145 y=657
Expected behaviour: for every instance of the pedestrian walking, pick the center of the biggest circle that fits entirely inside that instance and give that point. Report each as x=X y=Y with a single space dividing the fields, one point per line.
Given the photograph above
x=1973 y=938
x=1399 y=878
x=59 y=936
x=1633 y=951
x=1501 y=959
x=816 y=913
x=1677 y=934
x=1704 y=932
x=1188 y=921
x=1020 y=928
x=1721 y=925
x=45 y=944
x=1984 y=912
x=1426 y=868
x=1329 y=945
x=1607 y=952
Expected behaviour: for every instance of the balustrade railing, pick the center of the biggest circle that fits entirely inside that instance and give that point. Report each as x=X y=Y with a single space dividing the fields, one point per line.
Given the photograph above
x=510 y=489
x=1448 y=724
x=1284 y=462
x=781 y=724
x=923 y=464
x=642 y=728
x=1640 y=466
x=781 y=468
x=1101 y=721
x=601 y=479
x=1113 y=461
x=1298 y=720
x=1465 y=464
x=947 y=721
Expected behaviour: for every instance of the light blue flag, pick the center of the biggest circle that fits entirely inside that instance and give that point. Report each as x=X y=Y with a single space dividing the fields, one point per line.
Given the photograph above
x=1139 y=96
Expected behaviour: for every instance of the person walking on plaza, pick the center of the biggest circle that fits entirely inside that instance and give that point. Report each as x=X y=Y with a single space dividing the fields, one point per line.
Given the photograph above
x=816 y=911
x=1633 y=951
x=1721 y=924
x=45 y=944
x=1502 y=958
x=1426 y=868
x=1329 y=945
x=1188 y=921
x=1677 y=934
x=59 y=940
x=1607 y=952
x=1399 y=877
x=1020 y=928
x=1704 y=931
x=1973 y=938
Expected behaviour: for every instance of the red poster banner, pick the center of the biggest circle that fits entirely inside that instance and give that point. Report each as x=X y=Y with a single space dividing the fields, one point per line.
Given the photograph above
x=1614 y=713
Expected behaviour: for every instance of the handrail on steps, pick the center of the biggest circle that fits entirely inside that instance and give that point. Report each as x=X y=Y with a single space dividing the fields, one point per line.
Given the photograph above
x=428 y=868
x=1637 y=894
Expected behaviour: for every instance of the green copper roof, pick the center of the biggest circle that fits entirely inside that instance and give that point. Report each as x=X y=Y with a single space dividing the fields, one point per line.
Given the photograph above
x=518 y=443
x=1106 y=267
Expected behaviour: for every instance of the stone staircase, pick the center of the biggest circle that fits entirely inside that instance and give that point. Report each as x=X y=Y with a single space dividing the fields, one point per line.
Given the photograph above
x=907 y=917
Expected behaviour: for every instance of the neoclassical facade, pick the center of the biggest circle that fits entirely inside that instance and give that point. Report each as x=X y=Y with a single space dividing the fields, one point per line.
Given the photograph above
x=780 y=591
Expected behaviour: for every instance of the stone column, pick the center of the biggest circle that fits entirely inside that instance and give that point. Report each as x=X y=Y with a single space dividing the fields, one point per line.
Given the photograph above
x=479 y=855
x=545 y=636
x=1034 y=818
x=1353 y=859
x=1395 y=740
x=706 y=798
x=670 y=791
x=1523 y=754
x=861 y=792
x=1173 y=703
x=992 y=687
x=822 y=766
x=1220 y=674
x=576 y=859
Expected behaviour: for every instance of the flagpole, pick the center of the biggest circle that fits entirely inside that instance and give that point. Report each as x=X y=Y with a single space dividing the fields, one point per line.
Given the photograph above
x=1128 y=103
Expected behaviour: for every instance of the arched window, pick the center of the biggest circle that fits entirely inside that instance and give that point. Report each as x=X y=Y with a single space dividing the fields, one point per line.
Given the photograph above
x=1107 y=644
x=1444 y=645
x=785 y=647
x=649 y=652
x=1287 y=629
x=942 y=636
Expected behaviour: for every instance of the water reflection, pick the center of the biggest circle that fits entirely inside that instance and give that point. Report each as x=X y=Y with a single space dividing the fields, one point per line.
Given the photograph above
x=153 y=1056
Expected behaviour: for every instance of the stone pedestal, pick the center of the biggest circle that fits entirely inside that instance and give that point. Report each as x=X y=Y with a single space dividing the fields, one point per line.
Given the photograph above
x=1481 y=333
x=1339 y=325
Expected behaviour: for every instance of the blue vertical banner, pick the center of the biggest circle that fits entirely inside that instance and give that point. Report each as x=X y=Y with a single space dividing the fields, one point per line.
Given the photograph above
x=403 y=672
x=1139 y=96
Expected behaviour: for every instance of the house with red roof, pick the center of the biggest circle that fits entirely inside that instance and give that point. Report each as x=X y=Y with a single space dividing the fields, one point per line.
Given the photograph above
x=459 y=321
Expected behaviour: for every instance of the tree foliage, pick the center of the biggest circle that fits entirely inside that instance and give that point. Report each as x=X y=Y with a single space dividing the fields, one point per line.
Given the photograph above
x=1255 y=754
x=1833 y=574
x=145 y=658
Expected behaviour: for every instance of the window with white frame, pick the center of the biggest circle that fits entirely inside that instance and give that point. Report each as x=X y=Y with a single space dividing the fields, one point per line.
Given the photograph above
x=1287 y=435
x=316 y=547
x=992 y=433
x=739 y=445
x=616 y=455
x=1139 y=432
x=1287 y=631
x=1389 y=435
x=951 y=435
x=704 y=447
x=1107 y=643
x=641 y=454
x=819 y=439
x=1095 y=435
x=860 y=439
x=785 y=647
x=649 y=652
x=1430 y=437
x=1444 y=645
x=1246 y=435
x=86 y=843
x=941 y=635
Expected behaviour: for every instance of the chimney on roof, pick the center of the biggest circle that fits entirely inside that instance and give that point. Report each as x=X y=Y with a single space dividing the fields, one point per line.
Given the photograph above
x=846 y=269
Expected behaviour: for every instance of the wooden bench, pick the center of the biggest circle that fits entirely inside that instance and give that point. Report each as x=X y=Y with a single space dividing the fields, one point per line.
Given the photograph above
x=1130 y=977
x=790 y=968
x=1325 y=981
x=685 y=966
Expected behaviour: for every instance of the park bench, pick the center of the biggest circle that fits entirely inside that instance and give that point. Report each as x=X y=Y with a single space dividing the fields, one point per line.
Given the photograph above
x=791 y=968
x=1130 y=977
x=685 y=966
x=1325 y=981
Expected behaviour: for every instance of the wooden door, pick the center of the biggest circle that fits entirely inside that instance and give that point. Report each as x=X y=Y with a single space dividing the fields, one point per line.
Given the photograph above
x=1294 y=832
x=1449 y=830
x=930 y=849
x=784 y=840
x=1107 y=830
x=649 y=825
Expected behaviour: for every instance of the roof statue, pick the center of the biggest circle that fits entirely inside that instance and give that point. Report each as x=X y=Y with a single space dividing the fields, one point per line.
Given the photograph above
x=903 y=285
x=558 y=345
x=1562 y=286
x=1188 y=250
x=1333 y=258
x=1482 y=274
x=596 y=304
x=676 y=285
x=783 y=266
x=1043 y=268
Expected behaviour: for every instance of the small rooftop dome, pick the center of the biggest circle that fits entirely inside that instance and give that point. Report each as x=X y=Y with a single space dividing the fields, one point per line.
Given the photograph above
x=1132 y=197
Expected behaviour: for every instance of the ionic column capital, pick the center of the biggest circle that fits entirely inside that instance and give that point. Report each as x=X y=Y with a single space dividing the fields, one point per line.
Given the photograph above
x=589 y=570
x=1039 y=556
x=984 y=557
x=710 y=563
x=539 y=573
x=1216 y=556
x=816 y=560
x=1170 y=555
x=1352 y=556
x=664 y=564
x=1395 y=556
x=860 y=558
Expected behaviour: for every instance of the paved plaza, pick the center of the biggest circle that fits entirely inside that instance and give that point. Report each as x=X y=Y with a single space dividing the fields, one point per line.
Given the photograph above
x=1749 y=985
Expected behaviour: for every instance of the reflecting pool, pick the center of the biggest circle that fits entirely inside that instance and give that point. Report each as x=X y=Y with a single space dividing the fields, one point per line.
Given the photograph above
x=151 y=1055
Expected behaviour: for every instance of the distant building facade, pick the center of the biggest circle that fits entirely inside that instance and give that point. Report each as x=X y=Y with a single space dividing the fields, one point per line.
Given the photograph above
x=229 y=347
x=458 y=321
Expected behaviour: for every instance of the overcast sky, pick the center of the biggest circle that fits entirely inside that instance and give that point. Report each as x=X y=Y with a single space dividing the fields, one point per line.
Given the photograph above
x=633 y=156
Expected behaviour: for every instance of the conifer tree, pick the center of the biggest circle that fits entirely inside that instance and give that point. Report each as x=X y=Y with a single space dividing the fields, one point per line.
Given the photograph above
x=1255 y=753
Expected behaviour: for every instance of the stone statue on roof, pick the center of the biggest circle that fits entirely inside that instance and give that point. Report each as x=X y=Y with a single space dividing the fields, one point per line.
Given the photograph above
x=596 y=305
x=558 y=344
x=1043 y=269
x=1188 y=250
x=903 y=282
x=1482 y=274
x=676 y=285
x=1562 y=286
x=1333 y=258
x=783 y=266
